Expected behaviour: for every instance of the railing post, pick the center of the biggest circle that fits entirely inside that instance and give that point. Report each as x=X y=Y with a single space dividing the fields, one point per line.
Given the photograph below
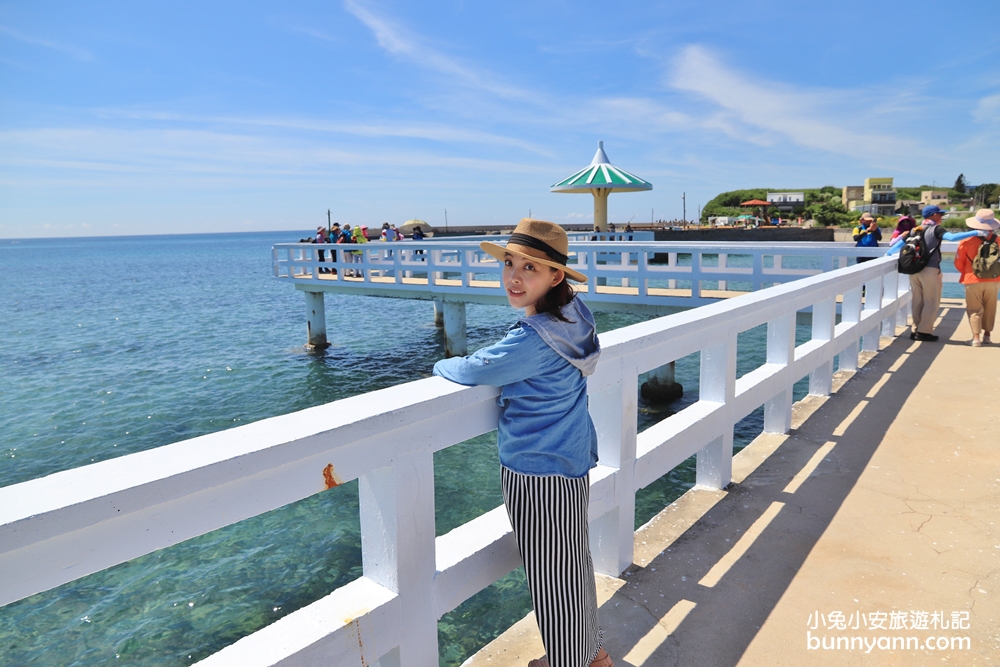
x=889 y=281
x=723 y=261
x=696 y=258
x=873 y=303
x=466 y=259
x=823 y=318
x=397 y=548
x=758 y=270
x=718 y=385
x=615 y=412
x=851 y=315
x=643 y=273
x=781 y=352
x=903 y=314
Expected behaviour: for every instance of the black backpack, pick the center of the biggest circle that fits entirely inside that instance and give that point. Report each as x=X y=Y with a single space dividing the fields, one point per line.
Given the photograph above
x=913 y=256
x=986 y=265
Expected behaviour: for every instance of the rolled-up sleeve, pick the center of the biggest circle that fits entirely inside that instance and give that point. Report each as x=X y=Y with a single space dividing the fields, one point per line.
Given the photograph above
x=511 y=360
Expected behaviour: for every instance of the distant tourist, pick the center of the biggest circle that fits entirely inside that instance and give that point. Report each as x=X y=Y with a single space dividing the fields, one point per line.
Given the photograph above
x=334 y=237
x=867 y=234
x=418 y=233
x=397 y=233
x=628 y=227
x=358 y=235
x=546 y=439
x=978 y=261
x=321 y=238
x=925 y=286
x=903 y=227
x=611 y=227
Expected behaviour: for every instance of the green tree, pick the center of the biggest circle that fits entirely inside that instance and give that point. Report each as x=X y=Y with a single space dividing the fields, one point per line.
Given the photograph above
x=828 y=213
x=959 y=183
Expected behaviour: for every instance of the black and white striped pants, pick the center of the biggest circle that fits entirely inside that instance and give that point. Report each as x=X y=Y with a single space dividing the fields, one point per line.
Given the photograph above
x=549 y=516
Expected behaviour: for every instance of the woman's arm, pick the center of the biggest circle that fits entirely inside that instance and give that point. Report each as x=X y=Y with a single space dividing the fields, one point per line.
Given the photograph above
x=516 y=357
x=958 y=236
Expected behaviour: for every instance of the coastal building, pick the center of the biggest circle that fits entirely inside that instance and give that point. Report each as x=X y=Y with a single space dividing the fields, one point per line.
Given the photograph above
x=787 y=201
x=852 y=196
x=880 y=196
x=909 y=207
x=934 y=197
x=877 y=196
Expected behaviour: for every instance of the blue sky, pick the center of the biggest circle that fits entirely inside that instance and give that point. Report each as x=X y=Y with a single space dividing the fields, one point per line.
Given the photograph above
x=176 y=117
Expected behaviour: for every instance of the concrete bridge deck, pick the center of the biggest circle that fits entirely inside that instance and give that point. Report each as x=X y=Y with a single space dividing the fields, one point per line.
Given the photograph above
x=876 y=519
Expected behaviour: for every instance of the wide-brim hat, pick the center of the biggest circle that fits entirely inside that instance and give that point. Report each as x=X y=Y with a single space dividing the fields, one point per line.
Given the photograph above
x=867 y=216
x=984 y=219
x=538 y=240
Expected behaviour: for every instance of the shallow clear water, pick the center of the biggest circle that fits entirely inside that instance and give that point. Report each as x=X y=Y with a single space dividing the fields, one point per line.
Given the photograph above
x=117 y=345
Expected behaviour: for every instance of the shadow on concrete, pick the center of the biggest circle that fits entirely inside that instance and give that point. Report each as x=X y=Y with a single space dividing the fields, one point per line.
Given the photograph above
x=712 y=615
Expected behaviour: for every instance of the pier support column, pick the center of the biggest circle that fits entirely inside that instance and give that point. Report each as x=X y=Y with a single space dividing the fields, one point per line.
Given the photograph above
x=438 y=313
x=455 y=344
x=316 y=321
x=601 y=208
x=661 y=387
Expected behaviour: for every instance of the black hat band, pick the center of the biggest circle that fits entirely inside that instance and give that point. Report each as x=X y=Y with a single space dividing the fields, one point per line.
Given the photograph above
x=532 y=242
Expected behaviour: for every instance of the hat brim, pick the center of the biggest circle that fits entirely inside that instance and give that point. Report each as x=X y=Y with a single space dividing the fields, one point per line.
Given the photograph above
x=498 y=251
x=976 y=223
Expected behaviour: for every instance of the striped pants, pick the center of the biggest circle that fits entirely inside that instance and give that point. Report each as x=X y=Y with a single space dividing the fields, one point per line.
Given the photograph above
x=549 y=516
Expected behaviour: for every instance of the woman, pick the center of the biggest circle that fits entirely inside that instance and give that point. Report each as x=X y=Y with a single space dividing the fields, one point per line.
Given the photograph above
x=981 y=290
x=903 y=227
x=546 y=438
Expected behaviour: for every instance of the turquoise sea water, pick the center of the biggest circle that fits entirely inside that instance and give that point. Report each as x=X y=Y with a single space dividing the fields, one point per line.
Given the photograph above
x=117 y=345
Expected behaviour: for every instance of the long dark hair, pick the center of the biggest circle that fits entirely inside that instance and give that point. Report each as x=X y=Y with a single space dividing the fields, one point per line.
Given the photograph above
x=553 y=301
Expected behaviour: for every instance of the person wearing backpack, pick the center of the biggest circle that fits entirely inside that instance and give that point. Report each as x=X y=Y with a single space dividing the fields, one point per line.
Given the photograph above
x=978 y=260
x=925 y=269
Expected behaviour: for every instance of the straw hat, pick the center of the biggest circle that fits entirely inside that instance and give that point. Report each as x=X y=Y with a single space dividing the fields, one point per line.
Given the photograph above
x=538 y=240
x=867 y=216
x=985 y=219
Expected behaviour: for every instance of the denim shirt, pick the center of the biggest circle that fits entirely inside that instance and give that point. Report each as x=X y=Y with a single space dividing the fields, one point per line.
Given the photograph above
x=541 y=365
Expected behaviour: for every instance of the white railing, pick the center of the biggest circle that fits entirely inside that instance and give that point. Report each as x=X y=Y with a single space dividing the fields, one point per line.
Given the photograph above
x=648 y=273
x=64 y=526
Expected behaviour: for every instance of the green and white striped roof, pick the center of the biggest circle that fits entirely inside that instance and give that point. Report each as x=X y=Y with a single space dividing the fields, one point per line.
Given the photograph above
x=601 y=174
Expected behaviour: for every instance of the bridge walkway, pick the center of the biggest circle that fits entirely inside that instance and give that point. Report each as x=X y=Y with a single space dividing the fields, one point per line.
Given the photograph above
x=882 y=502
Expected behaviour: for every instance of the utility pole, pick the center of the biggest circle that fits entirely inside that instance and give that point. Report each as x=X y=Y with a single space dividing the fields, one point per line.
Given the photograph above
x=329 y=227
x=446 y=221
x=699 y=214
x=684 y=199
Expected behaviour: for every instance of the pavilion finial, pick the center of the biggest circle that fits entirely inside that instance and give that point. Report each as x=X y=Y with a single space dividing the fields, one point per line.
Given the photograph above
x=600 y=157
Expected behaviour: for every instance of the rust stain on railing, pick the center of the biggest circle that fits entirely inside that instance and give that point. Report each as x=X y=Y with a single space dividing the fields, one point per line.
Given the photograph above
x=330 y=478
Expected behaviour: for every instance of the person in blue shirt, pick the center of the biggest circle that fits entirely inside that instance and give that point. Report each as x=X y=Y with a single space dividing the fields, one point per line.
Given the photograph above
x=925 y=287
x=867 y=234
x=546 y=438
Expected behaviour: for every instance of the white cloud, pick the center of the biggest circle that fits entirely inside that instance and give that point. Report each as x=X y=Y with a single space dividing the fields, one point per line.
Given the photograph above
x=386 y=128
x=167 y=158
x=987 y=110
x=397 y=41
x=768 y=112
x=78 y=53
